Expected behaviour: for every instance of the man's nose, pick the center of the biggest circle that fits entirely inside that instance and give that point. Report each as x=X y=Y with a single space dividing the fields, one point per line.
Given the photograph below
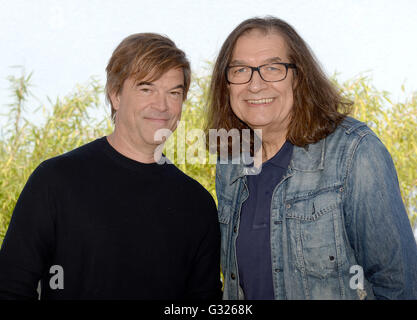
x=161 y=103
x=256 y=83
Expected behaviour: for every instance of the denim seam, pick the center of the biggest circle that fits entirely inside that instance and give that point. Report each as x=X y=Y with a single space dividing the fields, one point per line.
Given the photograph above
x=352 y=155
x=315 y=216
x=238 y=194
x=338 y=252
x=349 y=164
x=301 y=262
x=314 y=193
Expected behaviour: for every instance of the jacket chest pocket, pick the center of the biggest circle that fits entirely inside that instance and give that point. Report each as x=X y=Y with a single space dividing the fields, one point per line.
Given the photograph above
x=314 y=228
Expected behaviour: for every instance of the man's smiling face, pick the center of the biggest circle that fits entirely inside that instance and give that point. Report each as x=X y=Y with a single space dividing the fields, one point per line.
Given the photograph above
x=143 y=107
x=260 y=104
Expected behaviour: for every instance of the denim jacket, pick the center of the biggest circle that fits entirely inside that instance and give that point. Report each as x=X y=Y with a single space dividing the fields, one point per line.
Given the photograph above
x=337 y=214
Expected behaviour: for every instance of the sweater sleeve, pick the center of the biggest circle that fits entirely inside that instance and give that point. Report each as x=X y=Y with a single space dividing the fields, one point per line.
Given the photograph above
x=29 y=240
x=204 y=280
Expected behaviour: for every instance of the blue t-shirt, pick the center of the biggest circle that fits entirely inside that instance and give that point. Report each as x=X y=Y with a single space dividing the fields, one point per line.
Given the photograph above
x=253 y=247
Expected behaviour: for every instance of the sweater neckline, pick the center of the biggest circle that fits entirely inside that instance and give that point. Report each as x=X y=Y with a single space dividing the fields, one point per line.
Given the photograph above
x=125 y=161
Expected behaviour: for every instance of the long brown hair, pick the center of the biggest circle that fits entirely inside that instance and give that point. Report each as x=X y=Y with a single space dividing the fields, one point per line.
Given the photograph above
x=318 y=106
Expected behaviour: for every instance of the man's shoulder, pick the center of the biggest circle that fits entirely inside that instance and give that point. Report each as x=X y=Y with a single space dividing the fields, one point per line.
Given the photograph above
x=82 y=152
x=348 y=133
x=354 y=138
x=69 y=162
x=351 y=125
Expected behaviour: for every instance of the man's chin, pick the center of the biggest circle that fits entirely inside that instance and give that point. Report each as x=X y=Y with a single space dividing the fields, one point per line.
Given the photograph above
x=159 y=135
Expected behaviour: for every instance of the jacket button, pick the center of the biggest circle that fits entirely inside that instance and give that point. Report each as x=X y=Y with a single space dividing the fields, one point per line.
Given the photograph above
x=288 y=206
x=235 y=229
x=233 y=276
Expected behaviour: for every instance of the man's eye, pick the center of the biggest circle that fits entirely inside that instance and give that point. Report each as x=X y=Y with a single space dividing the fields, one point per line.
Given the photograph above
x=274 y=68
x=176 y=93
x=241 y=70
x=145 y=90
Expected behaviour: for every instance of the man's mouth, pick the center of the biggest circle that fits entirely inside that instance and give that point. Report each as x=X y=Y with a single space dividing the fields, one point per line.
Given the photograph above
x=260 y=101
x=157 y=120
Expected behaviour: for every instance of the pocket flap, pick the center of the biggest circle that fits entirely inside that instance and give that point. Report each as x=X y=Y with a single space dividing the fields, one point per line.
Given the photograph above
x=224 y=213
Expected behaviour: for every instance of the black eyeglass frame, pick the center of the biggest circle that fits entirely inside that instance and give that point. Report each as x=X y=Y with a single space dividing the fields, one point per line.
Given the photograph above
x=287 y=66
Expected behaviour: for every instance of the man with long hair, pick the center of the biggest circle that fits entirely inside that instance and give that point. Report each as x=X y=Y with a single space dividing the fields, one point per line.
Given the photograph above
x=324 y=218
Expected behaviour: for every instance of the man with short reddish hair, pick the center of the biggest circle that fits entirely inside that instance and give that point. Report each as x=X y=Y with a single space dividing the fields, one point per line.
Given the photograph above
x=106 y=221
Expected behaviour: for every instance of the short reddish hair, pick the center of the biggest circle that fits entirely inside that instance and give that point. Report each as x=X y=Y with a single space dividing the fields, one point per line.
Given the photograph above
x=144 y=55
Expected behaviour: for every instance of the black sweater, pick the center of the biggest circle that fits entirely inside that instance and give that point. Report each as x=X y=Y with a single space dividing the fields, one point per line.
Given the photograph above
x=119 y=229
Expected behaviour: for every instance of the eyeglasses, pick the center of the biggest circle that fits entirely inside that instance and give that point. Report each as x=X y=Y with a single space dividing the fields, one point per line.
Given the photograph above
x=271 y=72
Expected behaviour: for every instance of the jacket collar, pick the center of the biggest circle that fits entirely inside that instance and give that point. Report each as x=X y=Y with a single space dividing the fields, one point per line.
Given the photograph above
x=309 y=158
x=306 y=159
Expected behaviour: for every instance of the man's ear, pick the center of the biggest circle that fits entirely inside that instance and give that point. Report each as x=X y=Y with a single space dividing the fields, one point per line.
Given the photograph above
x=115 y=100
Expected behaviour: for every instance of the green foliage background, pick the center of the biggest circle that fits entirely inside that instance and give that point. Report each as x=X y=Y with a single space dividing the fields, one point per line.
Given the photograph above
x=69 y=124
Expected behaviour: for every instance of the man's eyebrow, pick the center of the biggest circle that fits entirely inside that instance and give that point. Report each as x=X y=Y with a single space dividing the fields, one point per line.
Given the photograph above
x=145 y=83
x=272 y=60
x=238 y=63
x=180 y=86
x=243 y=63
